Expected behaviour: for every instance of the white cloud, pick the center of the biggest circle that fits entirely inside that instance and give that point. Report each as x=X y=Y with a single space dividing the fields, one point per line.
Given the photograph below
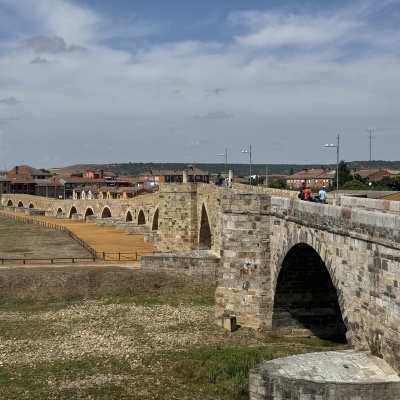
x=304 y=75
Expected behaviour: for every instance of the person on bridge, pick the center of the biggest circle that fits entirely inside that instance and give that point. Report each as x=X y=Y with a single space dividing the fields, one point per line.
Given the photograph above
x=307 y=194
x=301 y=193
x=322 y=195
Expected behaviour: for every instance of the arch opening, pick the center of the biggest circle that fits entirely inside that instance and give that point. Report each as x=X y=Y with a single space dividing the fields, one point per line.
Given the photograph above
x=106 y=213
x=9 y=203
x=128 y=217
x=20 y=204
x=205 y=231
x=306 y=301
x=154 y=226
x=141 y=218
x=72 y=211
x=31 y=205
x=59 y=210
x=88 y=212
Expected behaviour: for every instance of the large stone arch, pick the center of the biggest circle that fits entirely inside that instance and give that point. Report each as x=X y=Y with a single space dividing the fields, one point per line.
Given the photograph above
x=205 y=231
x=128 y=217
x=141 y=218
x=20 y=204
x=154 y=225
x=72 y=211
x=305 y=299
x=89 y=211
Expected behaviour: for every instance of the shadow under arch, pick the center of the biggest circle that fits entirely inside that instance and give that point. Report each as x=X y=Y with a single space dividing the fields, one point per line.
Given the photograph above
x=72 y=211
x=141 y=218
x=154 y=226
x=88 y=212
x=9 y=203
x=106 y=213
x=205 y=231
x=306 y=302
x=59 y=210
x=128 y=217
x=31 y=205
x=20 y=204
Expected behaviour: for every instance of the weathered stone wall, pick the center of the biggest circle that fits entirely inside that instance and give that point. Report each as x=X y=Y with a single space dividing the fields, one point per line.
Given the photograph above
x=119 y=207
x=244 y=284
x=384 y=206
x=200 y=264
x=178 y=219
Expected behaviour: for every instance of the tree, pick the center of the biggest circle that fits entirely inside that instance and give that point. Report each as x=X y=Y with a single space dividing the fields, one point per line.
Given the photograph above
x=388 y=183
x=344 y=174
x=354 y=184
x=277 y=184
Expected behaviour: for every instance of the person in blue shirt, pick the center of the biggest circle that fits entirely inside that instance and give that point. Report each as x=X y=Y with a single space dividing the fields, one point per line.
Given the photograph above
x=322 y=195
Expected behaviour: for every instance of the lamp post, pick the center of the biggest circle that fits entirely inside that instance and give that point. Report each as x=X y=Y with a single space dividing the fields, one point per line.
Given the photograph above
x=226 y=158
x=337 y=166
x=248 y=151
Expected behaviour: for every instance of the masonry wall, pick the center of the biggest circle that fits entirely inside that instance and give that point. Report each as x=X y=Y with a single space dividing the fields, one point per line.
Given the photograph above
x=244 y=288
x=178 y=218
x=361 y=251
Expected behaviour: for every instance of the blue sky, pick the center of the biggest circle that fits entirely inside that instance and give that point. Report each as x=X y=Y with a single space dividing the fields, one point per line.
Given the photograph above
x=99 y=81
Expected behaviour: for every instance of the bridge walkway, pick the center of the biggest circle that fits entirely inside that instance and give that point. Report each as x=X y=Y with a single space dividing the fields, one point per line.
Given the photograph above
x=100 y=238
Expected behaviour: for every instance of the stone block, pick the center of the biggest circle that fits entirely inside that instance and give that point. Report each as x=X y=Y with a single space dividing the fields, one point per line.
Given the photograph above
x=228 y=322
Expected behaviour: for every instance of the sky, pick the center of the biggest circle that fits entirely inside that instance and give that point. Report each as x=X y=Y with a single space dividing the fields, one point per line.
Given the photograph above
x=177 y=81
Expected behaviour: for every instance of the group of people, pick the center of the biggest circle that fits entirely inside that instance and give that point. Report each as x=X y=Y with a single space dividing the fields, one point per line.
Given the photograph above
x=223 y=182
x=306 y=195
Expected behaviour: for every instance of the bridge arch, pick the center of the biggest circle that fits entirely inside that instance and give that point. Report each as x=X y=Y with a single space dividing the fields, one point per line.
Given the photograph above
x=89 y=211
x=141 y=218
x=59 y=210
x=128 y=217
x=306 y=301
x=31 y=205
x=154 y=225
x=72 y=211
x=106 y=213
x=205 y=230
x=20 y=204
x=9 y=203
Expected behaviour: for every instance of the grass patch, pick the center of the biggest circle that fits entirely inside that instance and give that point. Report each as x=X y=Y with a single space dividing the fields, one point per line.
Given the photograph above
x=24 y=329
x=196 y=297
x=16 y=250
x=74 y=379
x=223 y=373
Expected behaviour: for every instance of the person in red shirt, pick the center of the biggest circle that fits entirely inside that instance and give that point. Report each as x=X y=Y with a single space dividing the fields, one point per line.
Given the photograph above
x=307 y=193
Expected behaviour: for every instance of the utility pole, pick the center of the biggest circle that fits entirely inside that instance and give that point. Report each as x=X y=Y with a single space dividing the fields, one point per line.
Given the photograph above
x=370 y=158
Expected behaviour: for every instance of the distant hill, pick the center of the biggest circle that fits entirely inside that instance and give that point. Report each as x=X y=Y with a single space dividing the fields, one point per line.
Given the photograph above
x=134 y=169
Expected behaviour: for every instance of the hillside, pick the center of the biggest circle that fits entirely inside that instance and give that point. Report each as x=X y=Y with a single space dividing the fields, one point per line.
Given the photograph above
x=134 y=169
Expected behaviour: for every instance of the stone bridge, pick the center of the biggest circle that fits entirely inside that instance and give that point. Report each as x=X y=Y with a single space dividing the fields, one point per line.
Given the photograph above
x=280 y=264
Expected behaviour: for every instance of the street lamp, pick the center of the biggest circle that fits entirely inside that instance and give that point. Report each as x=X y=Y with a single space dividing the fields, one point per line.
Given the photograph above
x=248 y=151
x=226 y=158
x=337 y=166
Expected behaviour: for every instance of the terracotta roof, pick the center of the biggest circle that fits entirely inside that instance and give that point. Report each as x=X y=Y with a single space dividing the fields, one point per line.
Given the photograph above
x=312 y=174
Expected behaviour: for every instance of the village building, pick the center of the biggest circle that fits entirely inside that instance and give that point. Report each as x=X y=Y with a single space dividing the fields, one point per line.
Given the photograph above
x=316 y=178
